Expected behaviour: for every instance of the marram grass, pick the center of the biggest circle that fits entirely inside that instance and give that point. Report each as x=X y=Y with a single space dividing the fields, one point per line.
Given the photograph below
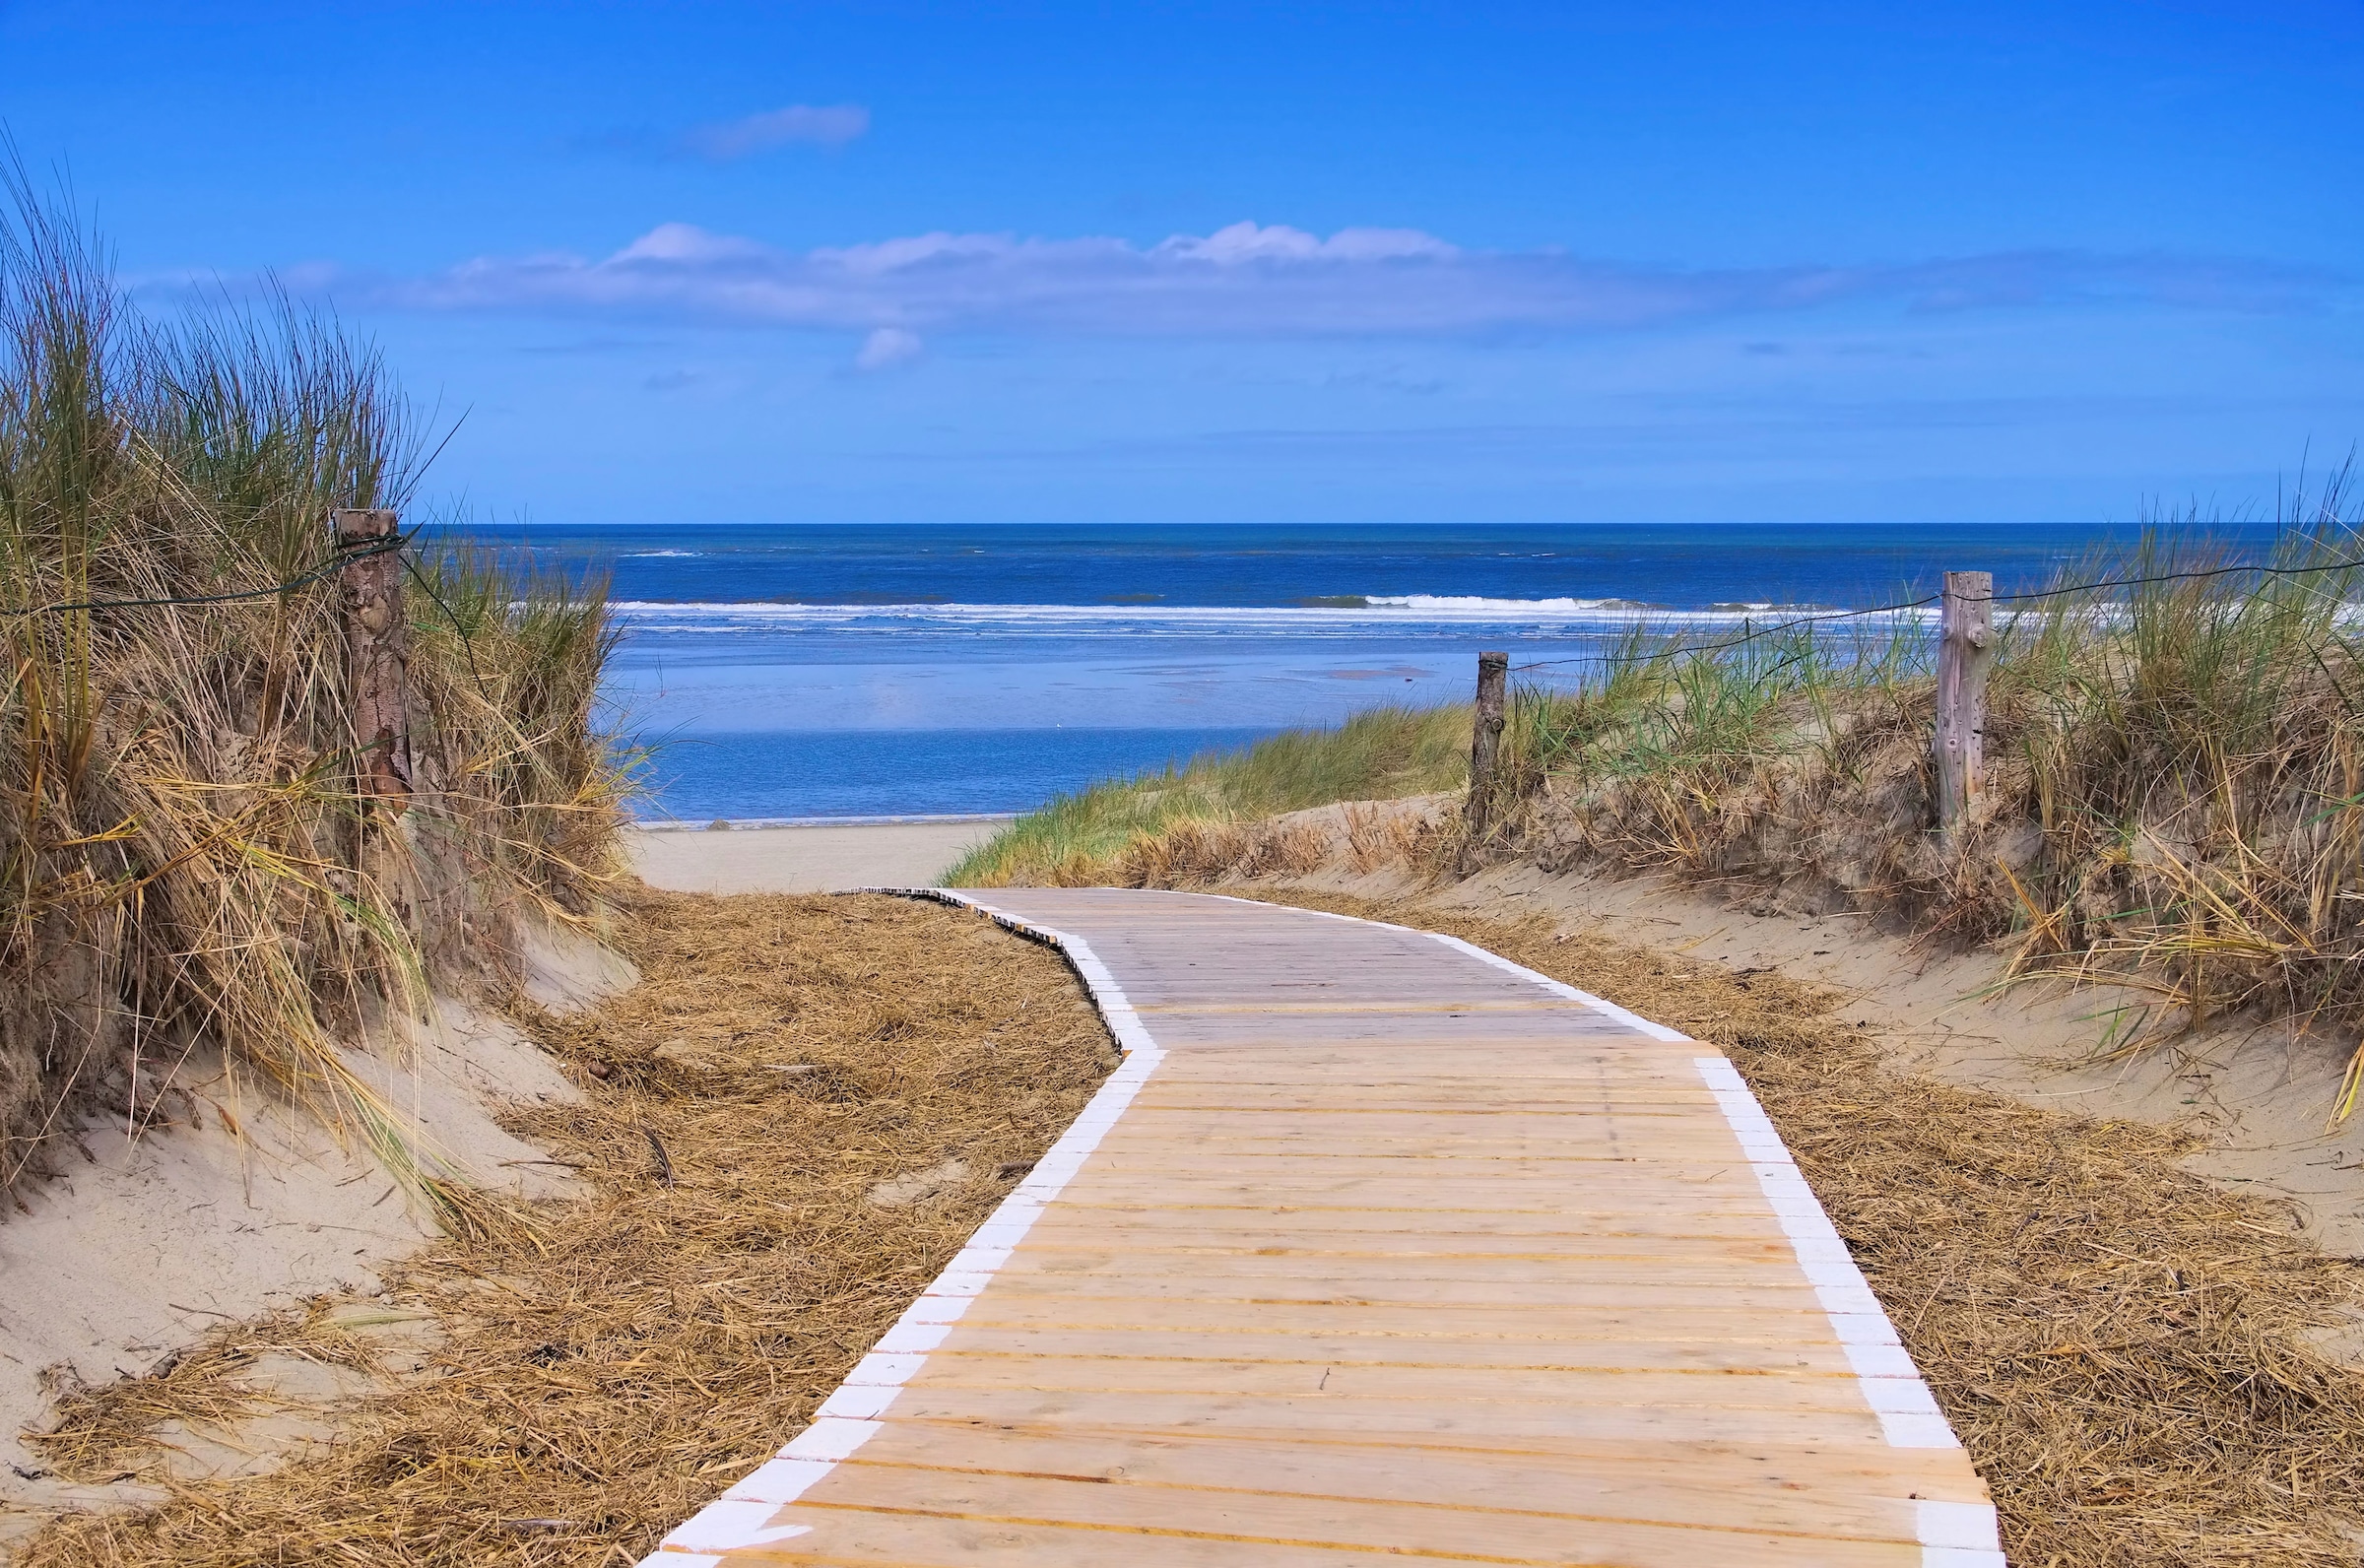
x=185 y=854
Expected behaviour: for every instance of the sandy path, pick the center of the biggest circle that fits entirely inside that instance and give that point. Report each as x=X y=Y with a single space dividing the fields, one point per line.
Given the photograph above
x=803 y=860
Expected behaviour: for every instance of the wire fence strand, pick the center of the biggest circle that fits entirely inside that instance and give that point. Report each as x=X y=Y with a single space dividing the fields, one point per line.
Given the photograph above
x=1745 y=638
x=327 y=568
x=1758 y=633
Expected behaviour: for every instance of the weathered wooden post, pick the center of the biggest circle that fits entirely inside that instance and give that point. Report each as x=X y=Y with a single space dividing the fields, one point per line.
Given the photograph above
x=1965 y=650
x=1485 y=742
x=377 y=651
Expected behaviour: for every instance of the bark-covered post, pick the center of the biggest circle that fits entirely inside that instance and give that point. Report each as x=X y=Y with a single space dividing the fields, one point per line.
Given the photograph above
x=1485 y=742
x=1965 y=650
x=377 y=652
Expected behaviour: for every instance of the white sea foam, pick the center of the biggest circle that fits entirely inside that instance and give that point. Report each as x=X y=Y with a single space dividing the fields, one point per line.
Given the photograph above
x=1414 y=614
x=1464 y=602
x=656 y=555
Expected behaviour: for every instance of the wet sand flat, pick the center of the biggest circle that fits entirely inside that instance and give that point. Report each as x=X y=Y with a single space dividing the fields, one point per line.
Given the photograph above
x=804 y=859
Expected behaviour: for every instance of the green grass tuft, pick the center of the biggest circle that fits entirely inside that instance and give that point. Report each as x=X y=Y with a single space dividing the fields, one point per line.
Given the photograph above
x=1379 y=754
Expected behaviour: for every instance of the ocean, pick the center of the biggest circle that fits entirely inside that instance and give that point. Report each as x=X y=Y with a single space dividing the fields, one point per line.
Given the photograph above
x=805 y=672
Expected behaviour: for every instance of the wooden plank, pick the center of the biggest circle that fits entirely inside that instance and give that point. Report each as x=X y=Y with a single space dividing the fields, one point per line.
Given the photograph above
x=1693 y=1208
x=863 y=1541
x=1292 y=1343
x=1385 y=1234
x=1076 y=1292
x=1521 y=1155
x=1757 y=1399
x=1157 y=1411
x=1046 y=1515
x=1335 y=1271
x=1405 y=1193
x=1753 y=1320
x=1458 y=1465
x=1660 y=1482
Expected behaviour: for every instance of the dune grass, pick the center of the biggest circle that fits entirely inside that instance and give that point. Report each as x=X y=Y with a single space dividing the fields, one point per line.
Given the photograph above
x=2174 y=781
x=1379 y=754
x=186 y=849
x=2172 y=660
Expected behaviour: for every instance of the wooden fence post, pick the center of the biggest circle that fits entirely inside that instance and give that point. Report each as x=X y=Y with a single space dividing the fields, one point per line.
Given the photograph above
x=1485 y=740
x=1965 y=650
x=377 y=653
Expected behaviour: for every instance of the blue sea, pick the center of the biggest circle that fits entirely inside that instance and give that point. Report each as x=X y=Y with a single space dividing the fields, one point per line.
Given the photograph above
x=804 y=672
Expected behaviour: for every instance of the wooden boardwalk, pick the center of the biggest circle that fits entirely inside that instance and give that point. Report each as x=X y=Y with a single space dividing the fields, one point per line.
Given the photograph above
x=1375 y=1247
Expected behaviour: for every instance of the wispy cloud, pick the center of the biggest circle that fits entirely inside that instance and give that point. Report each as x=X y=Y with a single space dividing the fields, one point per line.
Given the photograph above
x=829 y=125
x=885 y=347
x=1274 y=281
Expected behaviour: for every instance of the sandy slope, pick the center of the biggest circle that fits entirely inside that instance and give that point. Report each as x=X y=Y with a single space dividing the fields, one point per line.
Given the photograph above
x=114 y=1266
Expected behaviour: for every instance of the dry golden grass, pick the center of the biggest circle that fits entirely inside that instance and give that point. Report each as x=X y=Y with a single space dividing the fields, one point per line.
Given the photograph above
x=664 y=1336
x=194 y=852
x=2127 y=1350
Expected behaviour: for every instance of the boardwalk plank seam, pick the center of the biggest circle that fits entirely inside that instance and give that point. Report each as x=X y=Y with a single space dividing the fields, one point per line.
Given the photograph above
x=1951 y=1533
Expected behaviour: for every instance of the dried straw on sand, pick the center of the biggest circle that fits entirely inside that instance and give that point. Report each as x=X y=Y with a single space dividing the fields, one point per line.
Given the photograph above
x=2132 y=1357
x=2129 y=1353
x=792 y=1124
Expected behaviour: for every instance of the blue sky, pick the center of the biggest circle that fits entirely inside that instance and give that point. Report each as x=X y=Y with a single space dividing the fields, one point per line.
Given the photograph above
x=1381 y=263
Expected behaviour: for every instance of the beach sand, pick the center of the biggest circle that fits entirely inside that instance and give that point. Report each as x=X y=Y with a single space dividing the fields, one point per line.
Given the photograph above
x=804 y=859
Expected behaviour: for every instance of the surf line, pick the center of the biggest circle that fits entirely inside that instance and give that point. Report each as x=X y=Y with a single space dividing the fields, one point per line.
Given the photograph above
x=851 y=1416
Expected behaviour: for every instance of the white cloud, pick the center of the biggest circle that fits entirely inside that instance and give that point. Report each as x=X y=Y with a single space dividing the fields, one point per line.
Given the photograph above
x=687 y=244
x=831 y=125
x=1248 y=280
x=886 y=348
x=1246 y=242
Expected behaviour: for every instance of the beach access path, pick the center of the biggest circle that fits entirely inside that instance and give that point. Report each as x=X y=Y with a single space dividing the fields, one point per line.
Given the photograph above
x=1375 y=1247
